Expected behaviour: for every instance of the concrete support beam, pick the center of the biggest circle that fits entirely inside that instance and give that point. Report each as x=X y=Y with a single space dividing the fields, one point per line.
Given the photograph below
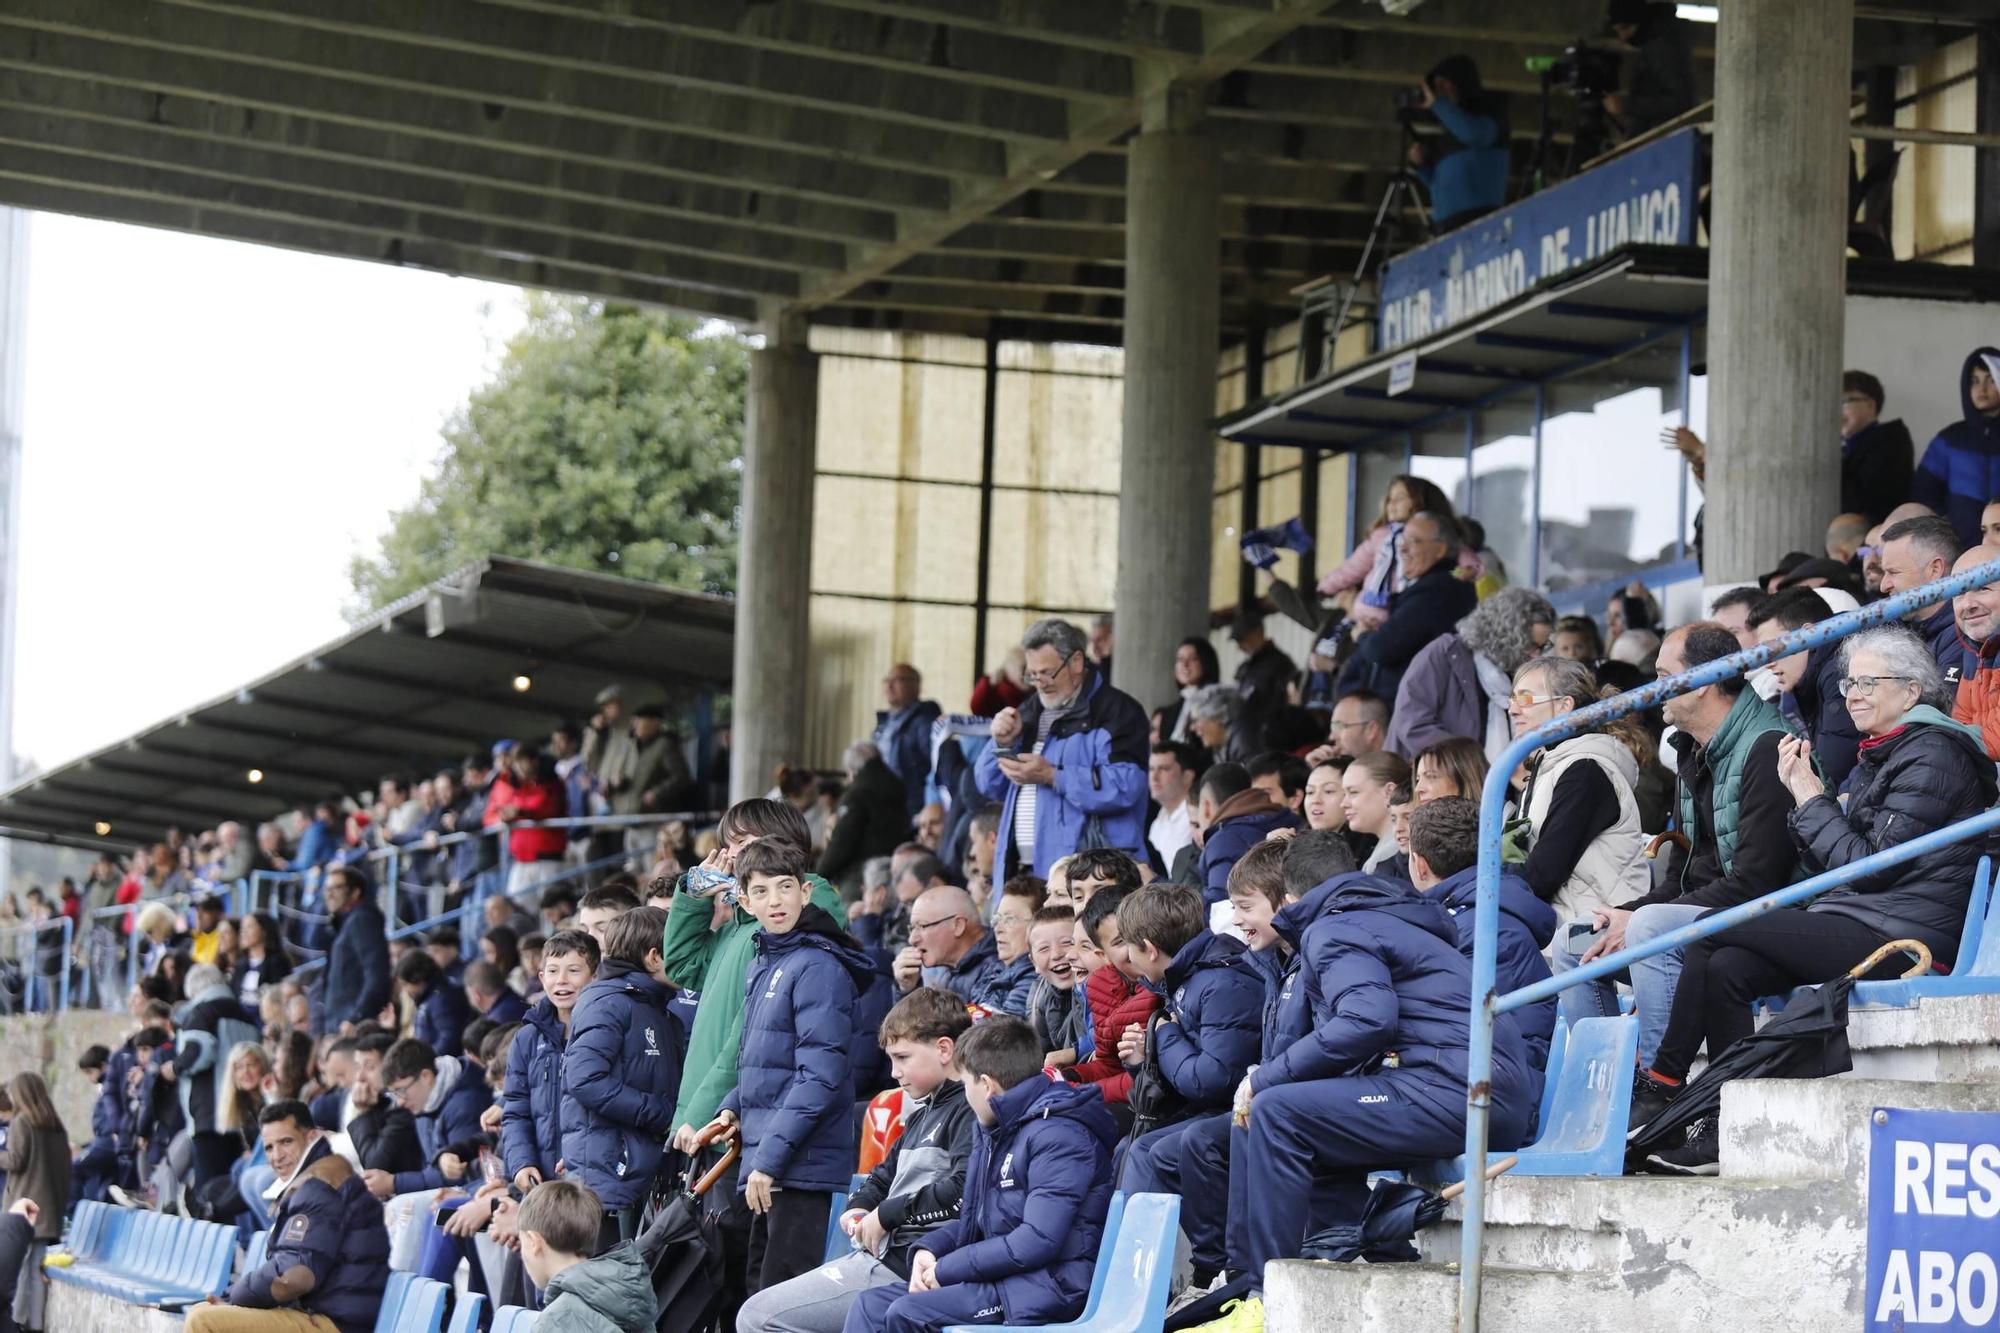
x=1777 y=286
x=1172 y=332
x=773 y=581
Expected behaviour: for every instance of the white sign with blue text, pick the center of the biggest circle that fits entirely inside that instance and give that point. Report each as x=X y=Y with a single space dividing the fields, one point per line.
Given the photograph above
x=1646 y=197
x=1933 y=1221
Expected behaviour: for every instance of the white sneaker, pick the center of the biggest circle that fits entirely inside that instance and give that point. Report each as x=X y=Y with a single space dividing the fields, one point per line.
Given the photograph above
x=126 y=1200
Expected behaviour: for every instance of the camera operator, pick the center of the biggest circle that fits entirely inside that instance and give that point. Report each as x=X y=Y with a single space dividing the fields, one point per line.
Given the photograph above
x=1465 y=170
x=1659 y=82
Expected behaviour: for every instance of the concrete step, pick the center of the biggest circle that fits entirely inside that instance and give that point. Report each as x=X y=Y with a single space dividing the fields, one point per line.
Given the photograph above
x=1817 y=1129
x=1943 y=1039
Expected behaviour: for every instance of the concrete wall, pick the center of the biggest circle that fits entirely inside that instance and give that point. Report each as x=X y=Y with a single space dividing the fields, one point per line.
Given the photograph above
x=49 y=1045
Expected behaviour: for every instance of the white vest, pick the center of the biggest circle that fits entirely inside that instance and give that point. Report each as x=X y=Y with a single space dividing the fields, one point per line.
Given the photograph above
x=1613 y=867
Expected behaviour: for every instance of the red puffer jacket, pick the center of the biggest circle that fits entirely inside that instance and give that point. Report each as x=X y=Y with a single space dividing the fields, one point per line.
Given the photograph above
x=1115 y=1004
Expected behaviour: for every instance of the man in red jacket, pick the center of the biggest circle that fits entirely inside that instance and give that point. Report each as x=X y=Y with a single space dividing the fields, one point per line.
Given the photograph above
x=527 y=788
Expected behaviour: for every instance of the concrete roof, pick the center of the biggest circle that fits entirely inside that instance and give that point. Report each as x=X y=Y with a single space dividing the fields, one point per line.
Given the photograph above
x=953 y=165
x=422 y=683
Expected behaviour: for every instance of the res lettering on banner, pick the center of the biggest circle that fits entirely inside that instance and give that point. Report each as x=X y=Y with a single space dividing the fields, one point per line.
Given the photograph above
x=1933 y=1221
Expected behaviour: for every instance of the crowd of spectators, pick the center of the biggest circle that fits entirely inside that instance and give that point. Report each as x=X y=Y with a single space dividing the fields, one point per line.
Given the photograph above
x=1051 y=947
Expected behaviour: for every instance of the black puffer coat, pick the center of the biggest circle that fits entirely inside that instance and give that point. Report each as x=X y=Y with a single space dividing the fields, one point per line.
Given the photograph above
x=1932 y=773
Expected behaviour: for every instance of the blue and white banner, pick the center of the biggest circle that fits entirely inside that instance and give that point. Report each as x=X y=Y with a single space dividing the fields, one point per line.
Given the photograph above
x=1648 y=197
x=1933 y=1221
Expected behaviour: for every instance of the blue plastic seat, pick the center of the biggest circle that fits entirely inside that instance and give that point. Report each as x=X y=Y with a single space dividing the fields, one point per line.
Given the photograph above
x=392 y=1301
x=465 y=1316
x=1133 y=1270
x=423 y=1307
x=837 y=1243
x=1114 y=1217
x=1587 y=1105
x=260 y=1248
x=515 y=1319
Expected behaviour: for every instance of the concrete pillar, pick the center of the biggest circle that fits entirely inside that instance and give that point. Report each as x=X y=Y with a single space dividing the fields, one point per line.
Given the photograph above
x=1167 y=470
x=1777 y=280
x=13 y=386
x=773 y=573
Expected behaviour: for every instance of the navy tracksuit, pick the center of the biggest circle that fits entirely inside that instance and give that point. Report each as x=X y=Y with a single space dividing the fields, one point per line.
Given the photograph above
x=1205 y=1176
x=1379 y=1080
x=1024 y=1245
x=1214 y=999
x=621 y=1073
x=531 y=1099
x=1527 y=924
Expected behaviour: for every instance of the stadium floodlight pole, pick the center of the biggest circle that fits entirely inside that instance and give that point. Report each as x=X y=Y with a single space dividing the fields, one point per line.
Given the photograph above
x=1486 y=911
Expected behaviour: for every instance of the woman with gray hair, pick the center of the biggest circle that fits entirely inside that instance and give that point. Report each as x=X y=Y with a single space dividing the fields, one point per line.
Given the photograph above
x=1214 y=716
x=1458 y=684
x=1586 y=846
x=1918 y=771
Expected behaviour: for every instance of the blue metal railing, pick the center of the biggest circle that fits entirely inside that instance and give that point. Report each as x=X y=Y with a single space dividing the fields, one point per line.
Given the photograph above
x=33 y=980
x=1486 y=1005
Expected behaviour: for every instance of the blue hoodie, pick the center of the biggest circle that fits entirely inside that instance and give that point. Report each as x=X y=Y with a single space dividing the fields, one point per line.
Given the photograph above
x=531 y=1102
x=1214 y=1004
x=449 y=1122
x=1390 y=979
x=1036 y=1191
x=794 y=1084
x=1960 y=471
x=1232 y=836
x=1527 y=924
x=621 y=1075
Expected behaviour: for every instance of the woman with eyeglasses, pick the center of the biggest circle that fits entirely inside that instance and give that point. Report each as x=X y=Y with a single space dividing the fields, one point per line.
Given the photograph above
x=1372 y=784
x=1586 y=846
x=1918 y=772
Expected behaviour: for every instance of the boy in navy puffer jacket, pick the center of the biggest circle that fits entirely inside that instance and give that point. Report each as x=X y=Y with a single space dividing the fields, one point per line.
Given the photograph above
x=1025 y=1242
x=1214 y=998
x=531 y=1103
x=794 y=1095
x=622 y=1073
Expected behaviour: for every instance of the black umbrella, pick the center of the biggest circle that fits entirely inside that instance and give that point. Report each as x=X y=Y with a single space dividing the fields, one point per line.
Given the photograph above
x=681 y=1246
x=1395 y=1212
x=1808 y=1039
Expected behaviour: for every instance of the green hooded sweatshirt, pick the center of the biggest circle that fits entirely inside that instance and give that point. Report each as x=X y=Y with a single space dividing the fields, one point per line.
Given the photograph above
x=612 y=1293
x=717 y=964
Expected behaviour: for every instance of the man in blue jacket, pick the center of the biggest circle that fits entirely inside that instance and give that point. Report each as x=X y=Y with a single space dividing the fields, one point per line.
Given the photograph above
x=1444 y=863
x=1379 y=1081
x=446 y=1095
x=1024 y=1245
x=903 y=732
x=329 y=1254
x=1069 y=763
x=794 y=1089
x=357 y=966
x=621 y=1073
x=1467 y=171
x=1204 y=1042
x=1921 y=550
x=1960 y=471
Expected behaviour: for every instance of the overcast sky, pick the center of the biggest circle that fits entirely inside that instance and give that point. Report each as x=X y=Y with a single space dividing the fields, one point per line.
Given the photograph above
x=212 y=430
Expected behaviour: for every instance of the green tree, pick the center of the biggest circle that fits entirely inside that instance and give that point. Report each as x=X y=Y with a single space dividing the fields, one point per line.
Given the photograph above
x=611 y=439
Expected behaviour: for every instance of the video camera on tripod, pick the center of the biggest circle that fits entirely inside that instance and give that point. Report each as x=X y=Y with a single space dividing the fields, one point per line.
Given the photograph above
x=1589 y=73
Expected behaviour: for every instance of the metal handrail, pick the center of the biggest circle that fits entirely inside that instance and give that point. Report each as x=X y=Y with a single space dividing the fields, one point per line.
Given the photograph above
x=1487 y=1005
x=31 y=973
